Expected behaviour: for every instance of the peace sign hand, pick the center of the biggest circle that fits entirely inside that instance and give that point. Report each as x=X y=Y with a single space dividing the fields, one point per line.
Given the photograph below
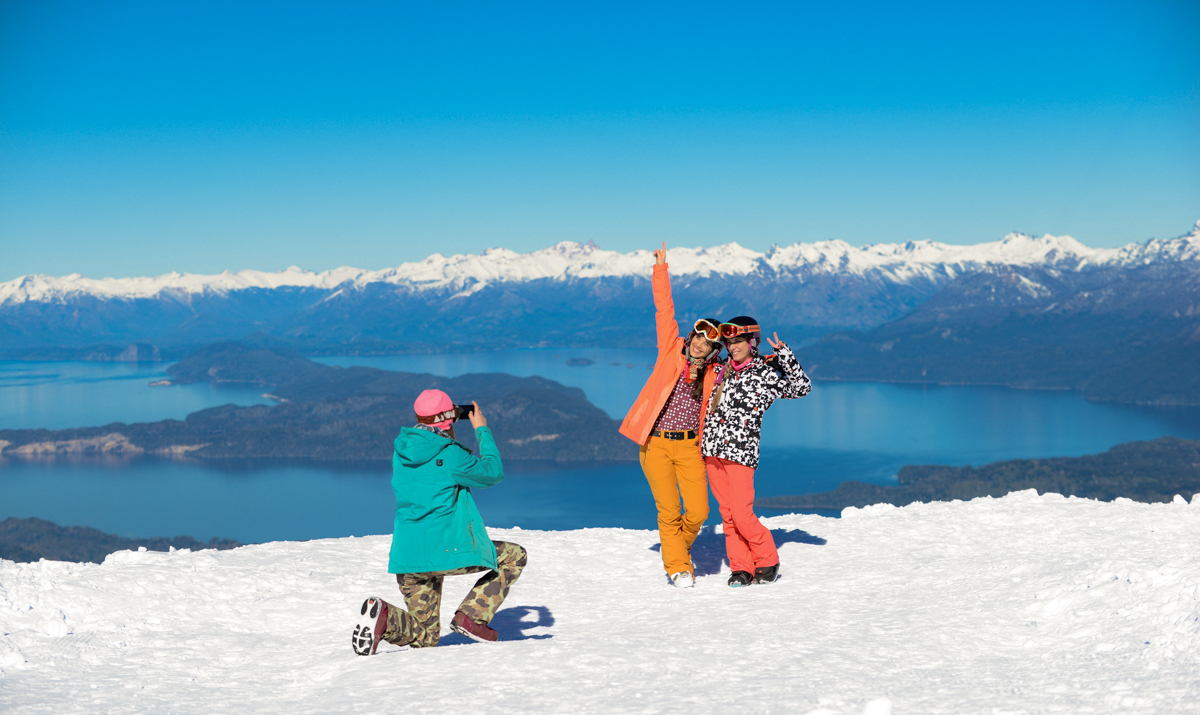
x=776 y=343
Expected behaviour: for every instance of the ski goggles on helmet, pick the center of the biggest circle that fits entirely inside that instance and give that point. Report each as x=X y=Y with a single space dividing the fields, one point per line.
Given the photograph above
x=711 y=333
x=447 y=416
x=457 y=412
x=729 y=330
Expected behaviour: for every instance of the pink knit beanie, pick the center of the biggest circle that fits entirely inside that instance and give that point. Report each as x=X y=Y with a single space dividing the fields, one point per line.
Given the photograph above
x=431 y=403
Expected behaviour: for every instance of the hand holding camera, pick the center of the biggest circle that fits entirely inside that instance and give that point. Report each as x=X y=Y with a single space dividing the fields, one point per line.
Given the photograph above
x=471 y=412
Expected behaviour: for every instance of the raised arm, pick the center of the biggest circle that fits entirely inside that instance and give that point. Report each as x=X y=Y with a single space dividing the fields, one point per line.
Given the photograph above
x=485 y=470
x=793 y=382
x=664 y=307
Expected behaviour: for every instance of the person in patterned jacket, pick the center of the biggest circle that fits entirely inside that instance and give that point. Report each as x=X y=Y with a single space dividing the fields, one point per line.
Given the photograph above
x=745 y=389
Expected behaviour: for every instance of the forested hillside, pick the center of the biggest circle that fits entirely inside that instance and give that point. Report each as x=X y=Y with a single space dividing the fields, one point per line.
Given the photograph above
x=1142 y=471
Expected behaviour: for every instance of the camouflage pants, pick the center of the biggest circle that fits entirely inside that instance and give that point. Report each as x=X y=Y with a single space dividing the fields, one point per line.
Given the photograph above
x=421 y=626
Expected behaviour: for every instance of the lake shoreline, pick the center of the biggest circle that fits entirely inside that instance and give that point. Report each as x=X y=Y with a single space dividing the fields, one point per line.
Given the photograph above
x=250 y=464
x=843 y=431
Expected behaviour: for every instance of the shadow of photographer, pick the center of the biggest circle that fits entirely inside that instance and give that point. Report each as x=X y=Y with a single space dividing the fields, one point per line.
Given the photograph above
x=511 y=624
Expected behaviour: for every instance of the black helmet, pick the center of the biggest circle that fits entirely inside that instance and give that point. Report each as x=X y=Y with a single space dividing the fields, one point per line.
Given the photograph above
x=746 y=322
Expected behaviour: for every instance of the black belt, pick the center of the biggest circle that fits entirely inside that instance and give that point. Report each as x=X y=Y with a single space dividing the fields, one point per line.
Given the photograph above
x=674 y=434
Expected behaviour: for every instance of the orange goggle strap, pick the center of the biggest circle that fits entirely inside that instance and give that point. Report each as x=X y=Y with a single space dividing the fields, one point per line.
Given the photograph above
x=434 y=419
x=729 y=330
x=711 y=332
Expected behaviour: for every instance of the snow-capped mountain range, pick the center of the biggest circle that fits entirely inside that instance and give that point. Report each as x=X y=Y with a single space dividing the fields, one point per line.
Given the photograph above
x=901 y=263
x=568 y=294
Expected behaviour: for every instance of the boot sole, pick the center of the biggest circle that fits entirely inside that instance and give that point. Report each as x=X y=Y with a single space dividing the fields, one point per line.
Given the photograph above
x=372 y=622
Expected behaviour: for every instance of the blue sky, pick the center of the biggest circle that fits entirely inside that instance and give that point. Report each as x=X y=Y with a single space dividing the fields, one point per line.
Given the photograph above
x=140 y=138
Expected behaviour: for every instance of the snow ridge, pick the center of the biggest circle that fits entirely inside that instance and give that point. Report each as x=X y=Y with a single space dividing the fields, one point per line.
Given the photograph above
x=1027 y=603
x=914 y=260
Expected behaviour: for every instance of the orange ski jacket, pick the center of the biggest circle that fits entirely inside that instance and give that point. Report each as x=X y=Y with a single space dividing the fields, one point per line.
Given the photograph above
x=670 y=364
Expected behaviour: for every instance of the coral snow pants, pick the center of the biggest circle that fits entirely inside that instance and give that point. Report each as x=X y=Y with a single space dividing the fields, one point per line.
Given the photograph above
x=674 y=469
x=748 y=543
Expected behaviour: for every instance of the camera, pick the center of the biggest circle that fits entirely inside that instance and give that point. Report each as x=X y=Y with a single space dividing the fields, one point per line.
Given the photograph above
x=462 y=412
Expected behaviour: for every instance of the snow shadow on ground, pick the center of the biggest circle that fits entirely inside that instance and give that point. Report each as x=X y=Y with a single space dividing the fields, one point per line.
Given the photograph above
x=708 y=551
x=511 y=624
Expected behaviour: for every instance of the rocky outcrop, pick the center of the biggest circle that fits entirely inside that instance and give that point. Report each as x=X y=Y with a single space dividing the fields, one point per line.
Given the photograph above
x=112 y=443
x=179 y=450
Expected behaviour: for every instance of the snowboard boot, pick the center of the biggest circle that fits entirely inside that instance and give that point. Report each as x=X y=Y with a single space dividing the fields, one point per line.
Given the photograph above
x=463 y=625
x=372 y=622
x=766 y=574
x=683 y=579
x=738 y=579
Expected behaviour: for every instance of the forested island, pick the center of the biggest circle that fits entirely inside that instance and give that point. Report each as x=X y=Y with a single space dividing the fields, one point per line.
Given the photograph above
x=1143 y=471
x=27 y=540
x=340 y=414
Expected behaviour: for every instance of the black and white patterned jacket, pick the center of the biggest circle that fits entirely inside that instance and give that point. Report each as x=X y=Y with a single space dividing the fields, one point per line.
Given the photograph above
x=733 y=426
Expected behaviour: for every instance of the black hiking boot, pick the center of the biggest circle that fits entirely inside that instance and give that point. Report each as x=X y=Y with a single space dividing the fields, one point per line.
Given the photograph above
x=766 y=574
x=739 y=579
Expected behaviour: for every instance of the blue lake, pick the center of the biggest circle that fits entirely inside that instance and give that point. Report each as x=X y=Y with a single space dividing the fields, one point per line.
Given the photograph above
x=59 y=395
x=863 y=431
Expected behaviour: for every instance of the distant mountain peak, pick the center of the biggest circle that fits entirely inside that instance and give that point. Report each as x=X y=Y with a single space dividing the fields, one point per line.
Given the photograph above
x=911 y=260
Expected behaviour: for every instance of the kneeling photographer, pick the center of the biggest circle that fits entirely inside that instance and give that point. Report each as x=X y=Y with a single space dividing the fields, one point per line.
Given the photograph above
x=438 y=532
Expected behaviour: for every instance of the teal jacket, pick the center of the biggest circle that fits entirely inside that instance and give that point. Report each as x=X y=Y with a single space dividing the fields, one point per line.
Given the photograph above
x=437 y=526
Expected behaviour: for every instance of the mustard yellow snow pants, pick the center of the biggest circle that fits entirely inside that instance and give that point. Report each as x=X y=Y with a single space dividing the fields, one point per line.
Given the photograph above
x=676 y=473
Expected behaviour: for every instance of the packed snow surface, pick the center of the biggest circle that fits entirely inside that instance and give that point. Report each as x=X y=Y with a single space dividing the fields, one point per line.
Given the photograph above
x=914 y=260
x=1024 y=604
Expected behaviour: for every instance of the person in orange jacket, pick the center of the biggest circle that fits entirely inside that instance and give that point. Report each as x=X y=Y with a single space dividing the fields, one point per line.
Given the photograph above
x=667 y=420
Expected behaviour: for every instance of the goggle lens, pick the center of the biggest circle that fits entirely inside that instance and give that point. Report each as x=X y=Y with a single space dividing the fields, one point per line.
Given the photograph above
x=729 y=330
x=708 y=330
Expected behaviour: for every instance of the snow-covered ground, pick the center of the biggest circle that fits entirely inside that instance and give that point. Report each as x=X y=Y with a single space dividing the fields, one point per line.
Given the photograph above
x=1024 y=604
